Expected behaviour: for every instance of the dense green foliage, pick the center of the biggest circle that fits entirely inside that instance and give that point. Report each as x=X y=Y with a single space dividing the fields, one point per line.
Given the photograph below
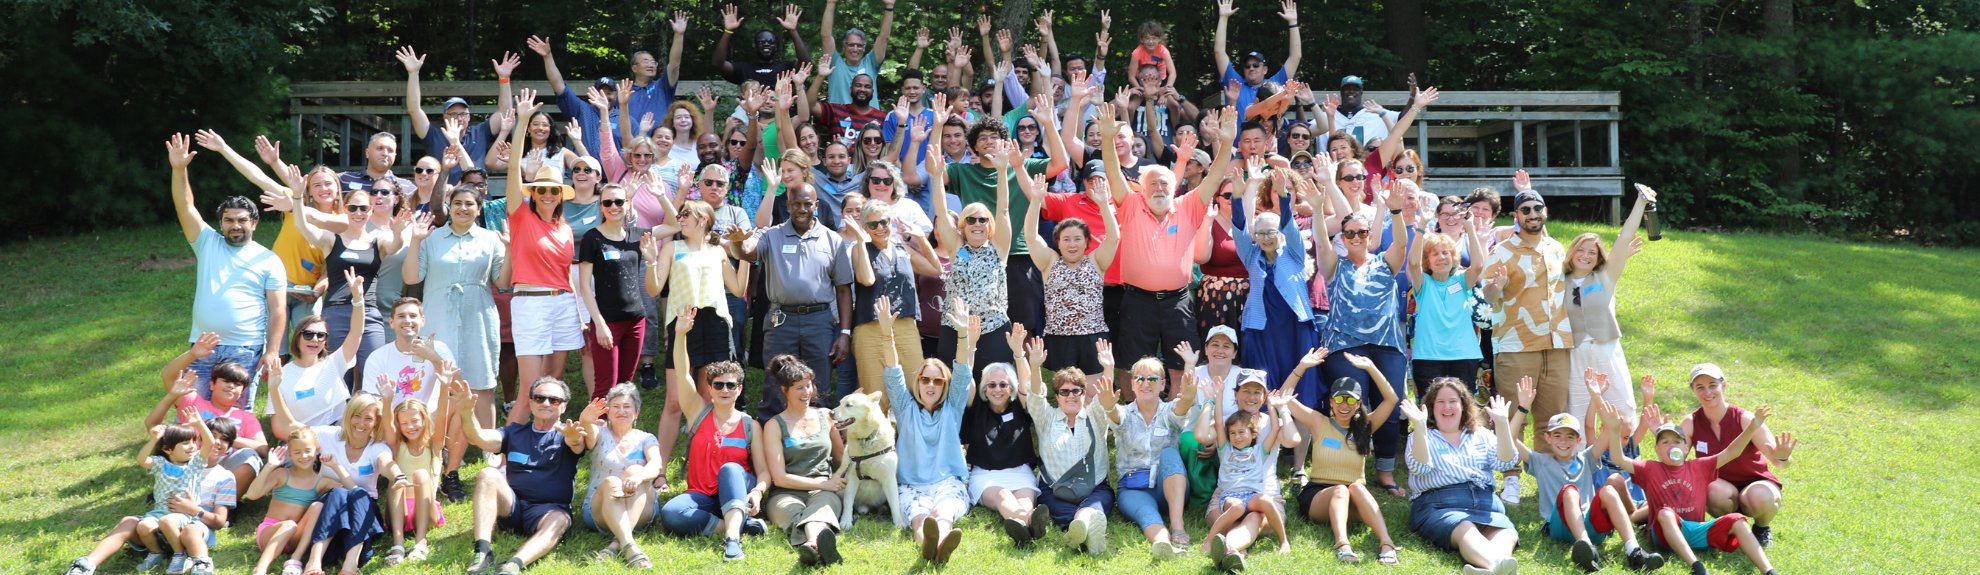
x=1842 y=117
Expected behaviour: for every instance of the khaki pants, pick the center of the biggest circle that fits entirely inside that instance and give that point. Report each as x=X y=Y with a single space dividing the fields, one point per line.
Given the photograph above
x=1549 y=369
x=866 y=348
x=791 y=510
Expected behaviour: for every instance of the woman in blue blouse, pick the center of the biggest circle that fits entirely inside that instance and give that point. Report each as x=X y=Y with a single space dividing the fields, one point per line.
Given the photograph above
x=1364 y=321
x=1451 y=460
x=931 y=472
x=1278 y=316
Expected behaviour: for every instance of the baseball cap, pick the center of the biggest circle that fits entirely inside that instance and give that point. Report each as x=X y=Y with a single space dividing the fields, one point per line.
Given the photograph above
x=1356 y=80
x=1706 y=369
x=1260 y=57
x=1345 y=386
x=1565 y=421
x=1200 y=157
x=455 y=101
x=1223 y=330
x=1095 y=169
x=1668 y=428
x=605 y=84
x=1528 y=196
x=1251 y=377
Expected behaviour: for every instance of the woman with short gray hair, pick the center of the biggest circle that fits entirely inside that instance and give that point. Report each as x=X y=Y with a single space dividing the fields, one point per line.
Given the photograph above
x=620 y=498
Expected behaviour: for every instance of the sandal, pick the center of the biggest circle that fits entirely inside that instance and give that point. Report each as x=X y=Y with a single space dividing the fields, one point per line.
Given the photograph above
x=637 y=559
x=418 y=553
x=610 y=552
x=1388 y=554
x=1344 y=553
x=395 y=556
x=292 y=567
x=1299 y=479
x=1395 y=490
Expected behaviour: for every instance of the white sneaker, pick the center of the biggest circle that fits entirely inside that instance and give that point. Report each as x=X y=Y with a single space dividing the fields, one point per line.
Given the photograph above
x=1467 y=569
x=1510 y=493
x=1505 y=566
x=179 y=565
x=1096 y=535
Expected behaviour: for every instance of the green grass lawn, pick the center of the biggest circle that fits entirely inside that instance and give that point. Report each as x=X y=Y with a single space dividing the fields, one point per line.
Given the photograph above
x=1866 y=351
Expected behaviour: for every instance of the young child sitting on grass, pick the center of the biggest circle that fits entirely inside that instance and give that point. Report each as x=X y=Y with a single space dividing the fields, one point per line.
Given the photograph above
x=1677 y=490
x=1247 y=471
x=1575 y=509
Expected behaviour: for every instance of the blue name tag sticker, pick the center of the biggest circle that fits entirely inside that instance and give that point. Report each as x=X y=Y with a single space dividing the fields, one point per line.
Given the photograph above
x=309 y=265
x=680 y=256
x=305 y=393
x=1331 y=443
x=735 y=442
x=1592 y=288
x=204 y=414
x=366 y=470
x=962 y=255
x=1172 y=229
x=790 y=442
x=173 y=470
x=609 y=255
x=636 y=456
x=1574 y=467
x=516 y=457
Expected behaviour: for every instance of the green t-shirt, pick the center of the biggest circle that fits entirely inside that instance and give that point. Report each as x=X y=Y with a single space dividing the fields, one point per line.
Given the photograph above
x=974 y=183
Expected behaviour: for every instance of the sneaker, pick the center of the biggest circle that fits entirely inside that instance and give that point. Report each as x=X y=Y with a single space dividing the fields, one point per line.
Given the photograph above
x=1218 y=550
x=80 y=567
x=1584 y=556
x=1076 y=534
x=450 y=486
x=1505 y=566
x=1467 y=569
x=1096 y=535
x=754 y=526
x=481 y=563
x=179 y=565
x=647 y=378
x=202 y=566
x=1643 y=560
x=1764 y=534
x=1164 y=551
x=513 y=566
x=1510 y=494
x=151 y=561
x=1234 y=563
x=732 y=549
x=1698 y=568
x=828 y=548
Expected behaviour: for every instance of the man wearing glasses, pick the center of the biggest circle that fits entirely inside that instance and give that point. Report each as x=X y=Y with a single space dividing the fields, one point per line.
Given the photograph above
x=531 y=492
x=478 y=136
x=767 y=67
x=1530 y=331
x=1249 y=71
x=807 y=277
x=856 y=57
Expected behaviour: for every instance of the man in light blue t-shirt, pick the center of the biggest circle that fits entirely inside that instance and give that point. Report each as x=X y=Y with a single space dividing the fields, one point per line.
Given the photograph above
x=240 y=291
x=854 y=57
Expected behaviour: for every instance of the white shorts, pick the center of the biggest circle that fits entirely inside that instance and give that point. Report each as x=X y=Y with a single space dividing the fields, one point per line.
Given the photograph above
x=942 y=499
x=545 y=324
x=981 y=480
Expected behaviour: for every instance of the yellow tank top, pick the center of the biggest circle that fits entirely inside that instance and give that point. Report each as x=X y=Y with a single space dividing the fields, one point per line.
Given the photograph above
x=696 y=282
x=1335 y=462
x=303 y=261
x=408 y=463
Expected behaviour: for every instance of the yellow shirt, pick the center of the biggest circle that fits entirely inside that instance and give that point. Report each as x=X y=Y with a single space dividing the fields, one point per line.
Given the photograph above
x=1532 y=313
x=1335 y=462
x=303 y=261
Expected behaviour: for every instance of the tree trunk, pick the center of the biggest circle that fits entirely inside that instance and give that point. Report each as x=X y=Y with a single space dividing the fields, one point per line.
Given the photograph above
x=1778 y=15
x=1016 y=17
x=1404 y=21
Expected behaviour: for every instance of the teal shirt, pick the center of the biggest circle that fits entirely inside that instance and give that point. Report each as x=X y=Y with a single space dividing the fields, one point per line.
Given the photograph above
x=930 y=444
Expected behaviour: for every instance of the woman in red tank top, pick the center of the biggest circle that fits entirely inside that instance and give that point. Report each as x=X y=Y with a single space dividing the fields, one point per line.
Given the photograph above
x=1746 y=484
x=723 y=457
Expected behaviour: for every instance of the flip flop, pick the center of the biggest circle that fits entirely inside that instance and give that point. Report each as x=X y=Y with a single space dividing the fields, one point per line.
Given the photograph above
x=1345 y=554
x=1388 y=555
x=292 y=567
x=1395 y=490
x=395 y=556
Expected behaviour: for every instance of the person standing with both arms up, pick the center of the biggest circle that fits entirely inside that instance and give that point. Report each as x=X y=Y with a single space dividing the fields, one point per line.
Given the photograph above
x=242 y=292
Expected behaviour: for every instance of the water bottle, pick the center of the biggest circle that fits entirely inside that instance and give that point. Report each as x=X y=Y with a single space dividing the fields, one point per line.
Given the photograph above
x=1650 y=218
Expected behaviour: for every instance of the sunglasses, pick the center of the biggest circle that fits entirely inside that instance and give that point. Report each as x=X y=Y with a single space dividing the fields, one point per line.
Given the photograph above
x=583 y=170
x=385 y=191
x=1530 y=210
x=725 y=385
x=1032 y=127
x=1300 y=136
x=996 y=385
x=872 y=141
x=1407 y=169
x=1301 y=165
x=1354 y=177
x=974 y=220
x=611 y=203
x=547 y=399
x=875 y=225
x=1350 y=234
x=929 y=380
x=424 y=170
x=712 y=183
x=738 y=143
x=1265 y=232
x=1071 y=391
x=882 y=181
x=1347 y=400
x=639 y=155
x=1255 y=65
x=545 y=190
x=1147 y=378
x=357 y=208
x=308 y=335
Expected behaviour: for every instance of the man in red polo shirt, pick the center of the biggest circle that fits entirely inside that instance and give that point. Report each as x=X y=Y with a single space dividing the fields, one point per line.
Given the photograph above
x=1158 y=233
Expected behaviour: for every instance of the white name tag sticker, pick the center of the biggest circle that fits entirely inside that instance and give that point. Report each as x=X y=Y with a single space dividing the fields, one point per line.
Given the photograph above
x=1009 y=416
x=352 y=256
x=611 y=255
x=1159 y=431
x=790 y=248
x=1702 y=447
x=1454 y=288
x=588 y=219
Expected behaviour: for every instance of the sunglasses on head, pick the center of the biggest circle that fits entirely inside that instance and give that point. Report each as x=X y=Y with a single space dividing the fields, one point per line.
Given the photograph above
x=1070 y=391
x=882 y=181
x=719 y=385
x=1354 y=177
x=309 y=335
x=422 y=170
x=874 y=225
x=1530 y=210
x=611 y=203
x=547 y=399
x=973 y=220
x=1354 y=234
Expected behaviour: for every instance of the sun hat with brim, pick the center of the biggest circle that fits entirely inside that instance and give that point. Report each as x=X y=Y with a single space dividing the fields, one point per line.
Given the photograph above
x=551 y=177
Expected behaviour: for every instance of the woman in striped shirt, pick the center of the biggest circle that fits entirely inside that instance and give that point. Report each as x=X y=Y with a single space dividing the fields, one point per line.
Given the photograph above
x=1451 y=459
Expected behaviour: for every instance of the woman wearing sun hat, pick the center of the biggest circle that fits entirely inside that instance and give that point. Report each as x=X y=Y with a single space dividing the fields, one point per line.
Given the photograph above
x=544 y=312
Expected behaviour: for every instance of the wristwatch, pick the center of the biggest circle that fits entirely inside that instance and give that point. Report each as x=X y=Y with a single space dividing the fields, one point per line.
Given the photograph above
x=845 y=332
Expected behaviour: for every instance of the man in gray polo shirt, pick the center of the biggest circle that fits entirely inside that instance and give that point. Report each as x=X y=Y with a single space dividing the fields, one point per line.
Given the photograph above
x=806 y=269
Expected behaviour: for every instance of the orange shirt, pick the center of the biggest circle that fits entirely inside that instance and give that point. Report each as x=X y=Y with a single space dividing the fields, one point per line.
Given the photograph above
x=540 y=251
x=1157 y=253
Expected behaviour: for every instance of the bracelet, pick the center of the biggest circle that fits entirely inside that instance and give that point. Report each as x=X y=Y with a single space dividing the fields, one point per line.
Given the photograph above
x=845 y=332
x=502 y=80
x=1394 y=212
x=1523 y=409
x=1293 y=25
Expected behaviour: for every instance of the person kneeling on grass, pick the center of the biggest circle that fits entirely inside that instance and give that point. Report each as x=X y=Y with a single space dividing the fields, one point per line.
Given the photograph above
x=1677 y=489
x=1565 y=474
x=531 y=493
x=1745 y=484
x=176 y=457
x=1246 y=502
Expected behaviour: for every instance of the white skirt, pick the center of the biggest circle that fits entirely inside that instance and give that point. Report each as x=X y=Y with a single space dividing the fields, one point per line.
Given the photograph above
x=1603 y=357
x=981 y=480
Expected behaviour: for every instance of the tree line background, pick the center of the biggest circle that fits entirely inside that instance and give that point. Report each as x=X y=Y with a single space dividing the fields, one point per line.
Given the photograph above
x=1853 y=118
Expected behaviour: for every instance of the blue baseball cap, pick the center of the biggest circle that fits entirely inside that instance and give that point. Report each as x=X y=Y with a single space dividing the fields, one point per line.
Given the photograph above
x=1356 y=80
x=455 y=101
x=1260 y=57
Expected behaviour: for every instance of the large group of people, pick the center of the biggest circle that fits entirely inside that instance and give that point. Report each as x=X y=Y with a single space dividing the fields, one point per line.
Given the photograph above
x=1001 y=228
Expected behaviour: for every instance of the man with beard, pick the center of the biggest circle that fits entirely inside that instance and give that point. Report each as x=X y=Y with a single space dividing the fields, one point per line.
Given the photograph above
x=767 y=67
x=853 y=58
x=1531 y=332
x=806 y=269
x=379 y=155
x=842 y=122
x=1158 y=243
x=1353 y=117
x=241 y=293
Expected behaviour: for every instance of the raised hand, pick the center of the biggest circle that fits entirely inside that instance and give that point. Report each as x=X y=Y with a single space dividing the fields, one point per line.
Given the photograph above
x=526 y=104
x=203 y=346
x=1225 y=9
x=1278 y=398
x=680 y=21
x=823 y=65
x=1783 y=445
x=730 y=20
x=1522 y=182
x=1015 y=339
x=270 y=152
x=1108 y=127
x=538 y=45
x=707 y=98
x=422 y=226
x=1598 y=383
x=209 y=139
x=983 y=24
x=1034 y=351
x=646 y=123
x=183 y=386
x=921 y=39
x=683 y=324
x=593 y=411
x=1527 y=391
x=1414 y=412
x=1425 y=98
x=1004 y=43
x=1652 y=416
x=575 y=129
x=1186 y=352
x=1648 y=385
x=790 y=19
x=1499 y=408
x=1105 y=350
x=506 y=65
x=1314 y=358
x=412 y=60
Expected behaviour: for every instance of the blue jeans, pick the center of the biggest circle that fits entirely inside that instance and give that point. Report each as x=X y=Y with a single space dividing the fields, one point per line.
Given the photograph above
x=1145 y=506
x=1391 y=362
x=697 y=514
x=249 y=356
